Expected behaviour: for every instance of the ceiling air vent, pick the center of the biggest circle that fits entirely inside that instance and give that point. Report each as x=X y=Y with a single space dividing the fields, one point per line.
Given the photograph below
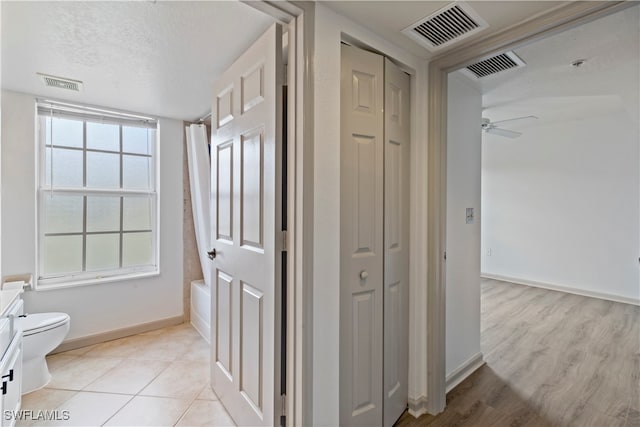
x=61 y=82
x=494 y=65
x=447 y=26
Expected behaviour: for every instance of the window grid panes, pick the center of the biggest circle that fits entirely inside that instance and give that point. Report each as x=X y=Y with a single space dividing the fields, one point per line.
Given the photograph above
x=98 y=204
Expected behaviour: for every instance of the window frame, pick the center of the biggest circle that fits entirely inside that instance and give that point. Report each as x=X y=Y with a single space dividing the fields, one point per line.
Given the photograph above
x=88 y=115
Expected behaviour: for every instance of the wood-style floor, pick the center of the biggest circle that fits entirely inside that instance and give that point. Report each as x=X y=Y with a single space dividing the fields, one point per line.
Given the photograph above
x=552 y=359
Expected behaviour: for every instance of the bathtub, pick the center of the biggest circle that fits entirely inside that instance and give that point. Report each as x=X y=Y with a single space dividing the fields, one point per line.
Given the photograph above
x=201 y=308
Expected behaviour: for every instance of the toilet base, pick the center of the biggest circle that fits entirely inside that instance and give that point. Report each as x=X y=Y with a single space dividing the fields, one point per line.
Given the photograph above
x=35 y=374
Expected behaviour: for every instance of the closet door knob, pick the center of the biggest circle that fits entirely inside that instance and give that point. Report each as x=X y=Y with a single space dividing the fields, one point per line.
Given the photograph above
x=363 y=274
x=212 y=254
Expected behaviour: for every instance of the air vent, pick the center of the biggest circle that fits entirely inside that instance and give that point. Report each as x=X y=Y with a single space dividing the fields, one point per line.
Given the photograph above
x=446 y=27
x=494 y=65
x=61 y=82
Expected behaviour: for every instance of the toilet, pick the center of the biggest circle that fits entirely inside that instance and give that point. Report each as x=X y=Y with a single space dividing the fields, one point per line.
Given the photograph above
x=42 y=333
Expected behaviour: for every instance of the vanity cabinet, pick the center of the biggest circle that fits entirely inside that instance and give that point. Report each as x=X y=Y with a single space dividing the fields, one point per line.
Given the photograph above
x=12 y=381
x=11 y=361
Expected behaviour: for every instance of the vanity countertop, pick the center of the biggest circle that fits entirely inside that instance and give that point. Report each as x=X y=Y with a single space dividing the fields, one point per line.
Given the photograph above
x=7 y=297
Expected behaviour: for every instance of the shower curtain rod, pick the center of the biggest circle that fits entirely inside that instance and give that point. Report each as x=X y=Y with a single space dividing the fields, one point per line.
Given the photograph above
x=203 y=118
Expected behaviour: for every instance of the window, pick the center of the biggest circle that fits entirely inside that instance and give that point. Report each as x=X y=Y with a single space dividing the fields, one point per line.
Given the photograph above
x=97 y=200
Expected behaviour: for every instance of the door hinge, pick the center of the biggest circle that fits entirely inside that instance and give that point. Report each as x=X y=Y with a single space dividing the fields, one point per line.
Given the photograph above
x=285 y=239
x=283 y=405
x=445 y=256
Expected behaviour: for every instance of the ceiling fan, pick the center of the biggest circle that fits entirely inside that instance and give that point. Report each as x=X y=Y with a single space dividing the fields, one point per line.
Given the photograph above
x=494 y=127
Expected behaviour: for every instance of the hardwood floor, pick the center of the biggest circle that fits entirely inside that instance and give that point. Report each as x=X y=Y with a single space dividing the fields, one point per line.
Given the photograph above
x=552 y=359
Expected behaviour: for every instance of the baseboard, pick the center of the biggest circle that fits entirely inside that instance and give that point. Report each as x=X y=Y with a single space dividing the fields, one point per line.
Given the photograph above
x=417 y=406
x=560 y=288
x=466 y=369
x=85 y=341
x=201 y=325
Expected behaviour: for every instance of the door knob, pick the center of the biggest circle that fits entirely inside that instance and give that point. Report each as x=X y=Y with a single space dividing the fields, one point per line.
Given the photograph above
x=363 y=274
x=212 y=254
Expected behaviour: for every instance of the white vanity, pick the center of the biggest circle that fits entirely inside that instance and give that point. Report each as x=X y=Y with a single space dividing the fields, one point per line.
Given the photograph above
x=11 y=307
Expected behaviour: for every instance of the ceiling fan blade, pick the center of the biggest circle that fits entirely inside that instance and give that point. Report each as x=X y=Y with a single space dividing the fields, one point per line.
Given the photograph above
x=515 y=119
x=504 y=132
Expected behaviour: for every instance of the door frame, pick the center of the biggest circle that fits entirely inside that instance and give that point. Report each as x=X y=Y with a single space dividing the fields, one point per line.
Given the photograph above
x=545 y=25
x=297 y=18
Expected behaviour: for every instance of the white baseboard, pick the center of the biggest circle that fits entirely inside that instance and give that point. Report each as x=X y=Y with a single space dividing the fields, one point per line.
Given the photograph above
x=560 y=288
x=201 y=325
x=75 y=343
x=462 y=372
x=417 y=406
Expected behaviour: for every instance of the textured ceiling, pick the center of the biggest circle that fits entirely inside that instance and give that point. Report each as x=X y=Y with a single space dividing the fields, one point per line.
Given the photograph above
x=157 y=58
x=389 y=18
x=552 y=89
x=161 y=57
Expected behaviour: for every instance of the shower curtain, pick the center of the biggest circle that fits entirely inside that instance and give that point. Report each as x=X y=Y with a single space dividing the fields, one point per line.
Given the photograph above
x=200 y=183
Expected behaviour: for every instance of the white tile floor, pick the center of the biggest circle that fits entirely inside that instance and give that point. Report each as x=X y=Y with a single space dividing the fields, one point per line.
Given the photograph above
x=159 y=378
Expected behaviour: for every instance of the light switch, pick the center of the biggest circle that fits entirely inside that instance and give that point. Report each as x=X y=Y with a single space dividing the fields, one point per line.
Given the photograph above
x=469 y=216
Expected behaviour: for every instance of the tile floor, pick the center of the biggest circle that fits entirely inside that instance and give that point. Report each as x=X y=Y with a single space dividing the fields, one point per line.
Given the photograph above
x=159 y=378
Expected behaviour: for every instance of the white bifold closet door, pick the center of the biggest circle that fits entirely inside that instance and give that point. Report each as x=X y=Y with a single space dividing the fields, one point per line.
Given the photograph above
x=246 y=200
x=397 y=134
x=374 y=237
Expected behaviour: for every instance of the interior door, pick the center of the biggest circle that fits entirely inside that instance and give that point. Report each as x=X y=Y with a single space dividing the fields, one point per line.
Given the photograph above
x=246 y=191
x=361 y=237
x=397 y=134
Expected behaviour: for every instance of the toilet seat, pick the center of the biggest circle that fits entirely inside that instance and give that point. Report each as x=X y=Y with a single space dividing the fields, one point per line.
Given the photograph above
x=40 y=322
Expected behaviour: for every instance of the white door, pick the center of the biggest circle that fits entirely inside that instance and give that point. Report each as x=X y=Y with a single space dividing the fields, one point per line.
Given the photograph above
x=361 y=237
x=374 y=239
x=397 y=135
x=246 y=147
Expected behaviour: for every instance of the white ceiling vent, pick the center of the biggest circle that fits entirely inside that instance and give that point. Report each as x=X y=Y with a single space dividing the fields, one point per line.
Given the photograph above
x=494 y=65
x=61 y=82
x=446 y=26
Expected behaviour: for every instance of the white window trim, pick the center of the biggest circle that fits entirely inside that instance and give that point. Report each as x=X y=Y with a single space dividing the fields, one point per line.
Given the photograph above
x=107 y=276
x=98 y=281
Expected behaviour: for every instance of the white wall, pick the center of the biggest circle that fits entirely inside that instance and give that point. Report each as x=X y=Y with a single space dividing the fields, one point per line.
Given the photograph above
x=96 y=308
x=561 y=204
x=329 y=28
x=463 y=240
